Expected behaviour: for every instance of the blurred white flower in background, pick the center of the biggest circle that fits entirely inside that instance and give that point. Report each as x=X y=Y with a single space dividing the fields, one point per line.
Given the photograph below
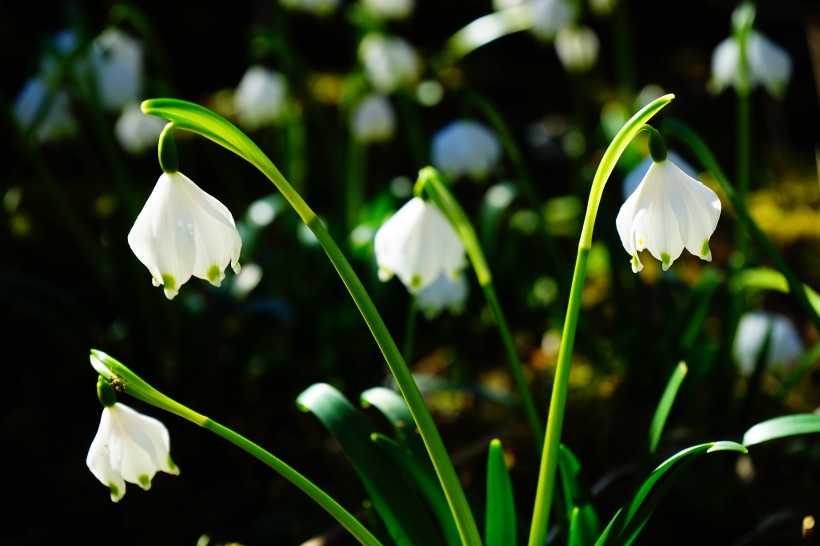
x=769 y=64
x=443 y=293
x=785 y=344
x=577 y=47
x=548 y=16
x=669 y=211
x=183 y=231
x=260 y=97
x=136 y=131
x=129 y=447
x=117 y=63
x=390 y=9
x=418 y=244
x=633 y=178
x=373 y=120
x=389 y=62
x=320 y=8
x=465 y=148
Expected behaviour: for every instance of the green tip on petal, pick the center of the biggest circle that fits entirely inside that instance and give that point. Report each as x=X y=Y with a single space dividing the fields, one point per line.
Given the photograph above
x=172 y=465
x=704 y=250
x=144 y=481
x=665 y=260
x=105 y=392
x=115 y=492
x=169 y=282
x=415 y=281
x=215 y=275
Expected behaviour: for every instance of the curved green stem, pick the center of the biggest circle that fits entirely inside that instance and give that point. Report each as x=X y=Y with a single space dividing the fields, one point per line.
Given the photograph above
x=124 y=380
x=549 y=456
x=430 y=182
x=704 y=155
x=200 y=120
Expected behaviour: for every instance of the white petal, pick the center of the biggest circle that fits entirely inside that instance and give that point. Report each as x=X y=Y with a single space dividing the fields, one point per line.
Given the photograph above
x=724 y=65
x=145 y=445
x=441 y=293
x=624 y=223
x=769 y=64
x=99 y=459
x=465 y=148
x=696 y=207
x=657 y=228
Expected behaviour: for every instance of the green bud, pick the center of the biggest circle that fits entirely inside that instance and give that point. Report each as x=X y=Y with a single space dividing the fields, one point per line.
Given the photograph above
x=105 y=392
x=657 y=146
x=168 y=159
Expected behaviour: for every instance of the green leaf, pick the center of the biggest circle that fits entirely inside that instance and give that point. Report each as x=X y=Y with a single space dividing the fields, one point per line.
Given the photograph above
x=631 y=518
x=763 y=278
x=500 y=527
x=665 y=405
x=394 y=408
x=582 y=518
x=397 y=503
x=782 y=427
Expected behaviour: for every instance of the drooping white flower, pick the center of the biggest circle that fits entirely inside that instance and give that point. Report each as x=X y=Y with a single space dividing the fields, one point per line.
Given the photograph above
x=633 y=178
x=669 y=211
x=56 y=120
x=389 y=61
x=465 y=148
x=129 y=447
x=136 y=131
x=769 y=64
x=443 y=293
x=577 y=47
x=418 y=244
x=260 y=97
x=320 y=8
x=183 y=231
x=785 y=344
x=390 y=9
x=373 y=120
x=117 y=62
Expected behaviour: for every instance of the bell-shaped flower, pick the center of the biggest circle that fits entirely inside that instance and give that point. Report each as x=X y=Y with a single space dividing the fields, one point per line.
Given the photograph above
x=669 y=211
x=136 y=131
x=373 y=120
x=129 y=447
x=577 y=47
x=769 y=65
x=418 y=244
x=465 y=148
x=633 y=178
x=183 y=231
x=260 y=98
x=390 y=9
x=784 y=343
x=443 y=293
x=117 y=61
x=389 y=61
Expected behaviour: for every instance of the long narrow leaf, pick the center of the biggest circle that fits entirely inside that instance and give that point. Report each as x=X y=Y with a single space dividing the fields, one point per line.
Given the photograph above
x=782 y=427
x=394 y=408
x=665 y=405
x=630 y=520
x=398 y=504
x=582 y=518
x=500 y=528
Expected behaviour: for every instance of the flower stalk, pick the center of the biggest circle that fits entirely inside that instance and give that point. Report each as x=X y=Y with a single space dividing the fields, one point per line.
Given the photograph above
x=200 y=120
x=123 y=379
x=549 y=456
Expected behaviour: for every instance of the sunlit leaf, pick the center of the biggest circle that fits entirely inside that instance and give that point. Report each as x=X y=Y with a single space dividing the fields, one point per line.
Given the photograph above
x=782 y=427
x=665 y=405
x=500 y=515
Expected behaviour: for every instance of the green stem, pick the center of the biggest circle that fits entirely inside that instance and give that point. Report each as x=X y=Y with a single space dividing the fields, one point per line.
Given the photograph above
x=200 y=120
x=549 y=456
x=124 y=380
x=431 y=183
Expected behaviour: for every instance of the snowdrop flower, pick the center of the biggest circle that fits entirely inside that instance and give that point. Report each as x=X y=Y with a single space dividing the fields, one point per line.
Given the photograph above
x=389 y=61
x=183 y=231
x=260 y=97
x=320 y=8
x=373 y=120
x=465 y=148
x=444 y=292
x=669 y=211
x=56 y=121
x=769 y=64
x=634 y=177
x=785 y=345
x=577 y=47
x=390 y=9
x=135 y=131
x=418 y=244
x=129 y=447
x=117 y=61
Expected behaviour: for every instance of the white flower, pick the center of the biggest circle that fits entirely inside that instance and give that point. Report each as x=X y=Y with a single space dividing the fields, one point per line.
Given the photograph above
x=769 y=64
x=136 y=131
x=633 y=178
x=444 y=292
x=418 y=244
x=56 y=120
x=577 y=47
x=320 y=8
x=669 y=211
x=117 y=61
x=550 y=16
x=465 y=148
x=785 y=344
x=260 y=97
x=183 y=231
x=129 y=447
x=389 y=61
x=373 y=120
x=390 y=9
